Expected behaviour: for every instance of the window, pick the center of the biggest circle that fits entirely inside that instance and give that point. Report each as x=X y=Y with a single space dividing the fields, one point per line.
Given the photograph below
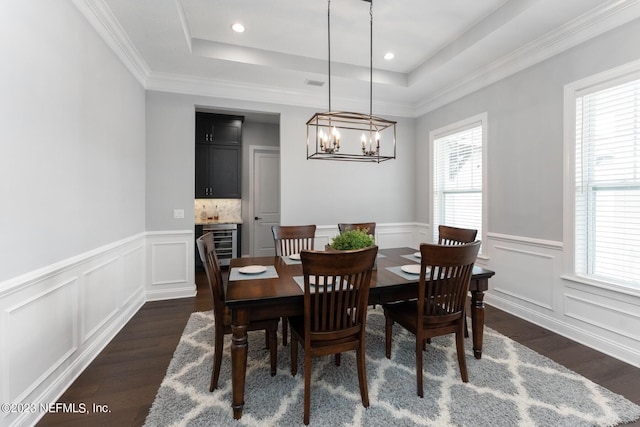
x=458 y=175
x=607 y=181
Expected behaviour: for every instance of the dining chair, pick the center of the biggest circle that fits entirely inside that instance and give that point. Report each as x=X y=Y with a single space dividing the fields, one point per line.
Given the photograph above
x=290 y=240
x=336 y=294
x=222 y=315
x=448 y=235
x=369 y=226
x=445 y=273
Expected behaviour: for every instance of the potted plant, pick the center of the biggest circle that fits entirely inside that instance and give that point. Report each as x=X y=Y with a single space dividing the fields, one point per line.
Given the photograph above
x=352 y=239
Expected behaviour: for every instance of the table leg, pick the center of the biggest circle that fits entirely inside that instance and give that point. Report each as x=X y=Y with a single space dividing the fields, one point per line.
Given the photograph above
x=239 y=345
x=477 y=320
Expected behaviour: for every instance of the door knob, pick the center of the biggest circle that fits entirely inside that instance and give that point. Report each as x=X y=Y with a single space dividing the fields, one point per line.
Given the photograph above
x=257 y=218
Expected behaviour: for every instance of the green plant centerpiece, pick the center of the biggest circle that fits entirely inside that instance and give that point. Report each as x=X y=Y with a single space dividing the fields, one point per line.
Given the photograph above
x=352 y=239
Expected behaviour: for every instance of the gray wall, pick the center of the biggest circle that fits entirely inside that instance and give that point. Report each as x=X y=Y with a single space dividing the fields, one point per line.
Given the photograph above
x=72 y=139
x=525 y=135
x=319 y=192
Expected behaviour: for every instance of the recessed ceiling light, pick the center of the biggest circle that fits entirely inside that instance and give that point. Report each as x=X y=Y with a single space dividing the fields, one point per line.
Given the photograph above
x=238 y=27
x=389 y=56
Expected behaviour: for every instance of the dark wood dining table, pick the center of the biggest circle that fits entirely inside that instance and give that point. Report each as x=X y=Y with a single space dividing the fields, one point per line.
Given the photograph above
x=281 y=296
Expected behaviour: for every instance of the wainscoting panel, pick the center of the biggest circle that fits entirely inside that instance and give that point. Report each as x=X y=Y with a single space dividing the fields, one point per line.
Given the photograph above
x=133 y=263
x=54 y=321
x=100 y=296
x=34 y=325
x=620 y=320
x=170 y=270
x=525 y=274
x=529 y=283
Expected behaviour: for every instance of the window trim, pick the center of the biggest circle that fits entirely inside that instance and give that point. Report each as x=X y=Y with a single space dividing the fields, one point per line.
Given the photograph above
x=572 y=91
x=458 y=126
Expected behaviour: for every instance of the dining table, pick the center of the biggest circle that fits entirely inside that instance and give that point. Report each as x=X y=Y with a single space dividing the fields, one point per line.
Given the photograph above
x=270 y=287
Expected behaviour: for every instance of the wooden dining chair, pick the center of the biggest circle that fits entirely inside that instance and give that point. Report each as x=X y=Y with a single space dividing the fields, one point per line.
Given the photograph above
x=289 y=240
x=292 y=239
x=445 y=273
x=369 y=226
x=222 y=315
x=336 y=294
x=448 y=235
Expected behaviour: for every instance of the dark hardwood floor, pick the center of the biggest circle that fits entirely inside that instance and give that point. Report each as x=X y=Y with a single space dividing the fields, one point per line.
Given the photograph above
x=128 y=372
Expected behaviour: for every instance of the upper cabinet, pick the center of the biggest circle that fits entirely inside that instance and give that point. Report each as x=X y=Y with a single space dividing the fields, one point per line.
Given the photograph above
x=218 y=156
x=218 y=129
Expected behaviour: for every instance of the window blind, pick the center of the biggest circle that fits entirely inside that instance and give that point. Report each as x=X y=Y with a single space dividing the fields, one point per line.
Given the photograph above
x=457 y=183
x=607 y=201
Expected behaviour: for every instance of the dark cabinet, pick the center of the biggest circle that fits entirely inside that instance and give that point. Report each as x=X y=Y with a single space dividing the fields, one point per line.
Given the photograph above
x=218 y=156
x=218 y=129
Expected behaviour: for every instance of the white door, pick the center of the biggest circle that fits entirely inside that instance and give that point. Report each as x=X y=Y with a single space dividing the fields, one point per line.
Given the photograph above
x=265 y=200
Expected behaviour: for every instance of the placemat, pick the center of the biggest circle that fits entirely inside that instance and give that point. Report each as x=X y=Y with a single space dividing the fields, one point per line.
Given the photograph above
x=290 y=261
x=271 y=273
x=399 y=272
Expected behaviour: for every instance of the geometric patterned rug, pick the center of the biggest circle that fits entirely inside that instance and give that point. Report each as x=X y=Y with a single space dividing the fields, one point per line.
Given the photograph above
x=510 y=386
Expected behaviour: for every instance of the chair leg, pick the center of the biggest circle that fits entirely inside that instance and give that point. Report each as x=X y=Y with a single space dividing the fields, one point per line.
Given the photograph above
x=294 y=355
x=217 y=358
x=419 y=346
x=388 y=330
x=285 y=324
x=307 y=386
x=466 y=328
x=462 y=363
x=337 y=359
x=362 y=376
x=273 y=349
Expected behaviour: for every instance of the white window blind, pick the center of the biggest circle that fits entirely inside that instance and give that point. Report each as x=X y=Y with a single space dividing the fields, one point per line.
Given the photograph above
x=457 y=183
x=607 y=193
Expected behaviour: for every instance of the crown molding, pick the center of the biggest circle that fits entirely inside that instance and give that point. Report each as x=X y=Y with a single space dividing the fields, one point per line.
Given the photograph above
x=98 y=14
x=607 y=16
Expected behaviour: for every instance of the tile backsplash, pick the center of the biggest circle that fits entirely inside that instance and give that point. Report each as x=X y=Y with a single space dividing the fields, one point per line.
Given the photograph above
x=228 y=209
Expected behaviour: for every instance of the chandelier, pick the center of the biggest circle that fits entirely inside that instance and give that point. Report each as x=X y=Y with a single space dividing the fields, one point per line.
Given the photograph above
x=359 y=136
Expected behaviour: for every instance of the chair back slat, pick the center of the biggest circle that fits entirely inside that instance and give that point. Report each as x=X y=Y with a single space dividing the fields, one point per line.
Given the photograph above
x=455 y=236
x=293 y=239
x=336 y=291
x=445 y=275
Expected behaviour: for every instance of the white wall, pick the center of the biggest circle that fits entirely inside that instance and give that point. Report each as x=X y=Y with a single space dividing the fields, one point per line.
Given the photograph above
x=525 y=196
x=72 y=191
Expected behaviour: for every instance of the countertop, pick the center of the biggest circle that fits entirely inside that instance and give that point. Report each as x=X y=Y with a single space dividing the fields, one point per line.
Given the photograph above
x=219 y=221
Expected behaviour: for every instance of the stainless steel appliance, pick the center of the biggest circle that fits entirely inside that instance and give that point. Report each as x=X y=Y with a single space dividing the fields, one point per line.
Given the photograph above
x=225 y=239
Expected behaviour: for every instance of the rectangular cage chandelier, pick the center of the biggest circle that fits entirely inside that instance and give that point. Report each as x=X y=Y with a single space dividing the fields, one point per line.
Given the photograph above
x=361 y=137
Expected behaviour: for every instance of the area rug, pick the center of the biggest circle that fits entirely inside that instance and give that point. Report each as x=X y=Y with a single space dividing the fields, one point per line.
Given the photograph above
x=510 y=386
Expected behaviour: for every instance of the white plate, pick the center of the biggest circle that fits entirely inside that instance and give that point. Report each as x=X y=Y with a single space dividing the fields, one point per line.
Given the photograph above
x=417 y=255
x=252 y=269
x=294 y=256
x=411 y=268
